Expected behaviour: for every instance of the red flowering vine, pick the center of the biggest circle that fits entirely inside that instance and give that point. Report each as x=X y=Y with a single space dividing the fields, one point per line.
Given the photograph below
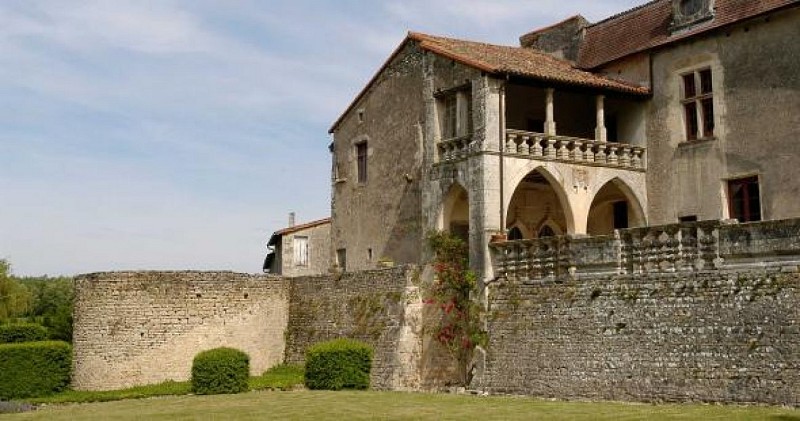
x=454 y=287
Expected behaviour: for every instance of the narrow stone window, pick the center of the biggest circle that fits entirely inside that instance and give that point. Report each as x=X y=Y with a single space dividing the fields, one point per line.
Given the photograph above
x=687 y=218
x=361 y=158
x=369 y=254
x=744 y=201
x=698 y=105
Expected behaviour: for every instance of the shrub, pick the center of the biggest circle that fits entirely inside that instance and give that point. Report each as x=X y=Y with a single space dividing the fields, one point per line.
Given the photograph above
x=220 y=370
x=338 y=364
x=22 y=332
x=34 y=368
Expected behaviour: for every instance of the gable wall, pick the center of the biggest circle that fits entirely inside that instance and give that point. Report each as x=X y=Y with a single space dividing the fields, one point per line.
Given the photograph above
x=382 y=214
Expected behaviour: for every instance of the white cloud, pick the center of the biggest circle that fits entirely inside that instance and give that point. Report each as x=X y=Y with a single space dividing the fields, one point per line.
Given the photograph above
x=178 y=134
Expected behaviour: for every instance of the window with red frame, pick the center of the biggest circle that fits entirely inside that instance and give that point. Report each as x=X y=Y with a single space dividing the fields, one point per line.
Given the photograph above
x=744 y=202
x=698 y=105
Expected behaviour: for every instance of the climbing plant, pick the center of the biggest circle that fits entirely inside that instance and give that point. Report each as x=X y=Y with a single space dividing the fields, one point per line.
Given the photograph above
x=452 y=295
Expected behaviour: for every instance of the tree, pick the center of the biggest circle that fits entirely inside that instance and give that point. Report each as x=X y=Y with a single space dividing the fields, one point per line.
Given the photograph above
x=15 y=299
x=458 y=326
x=51 y=305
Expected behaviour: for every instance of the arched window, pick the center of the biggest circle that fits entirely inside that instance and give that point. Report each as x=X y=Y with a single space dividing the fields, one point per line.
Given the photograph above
x=514 y=234
x=546 y=231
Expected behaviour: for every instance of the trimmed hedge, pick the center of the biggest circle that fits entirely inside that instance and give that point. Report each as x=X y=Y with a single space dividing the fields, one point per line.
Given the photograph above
x=22 y=332
x=220 y=370
x=34 y=369
x=338 y=364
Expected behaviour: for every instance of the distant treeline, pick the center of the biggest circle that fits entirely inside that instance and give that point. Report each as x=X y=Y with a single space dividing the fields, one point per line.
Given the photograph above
x=43 y=300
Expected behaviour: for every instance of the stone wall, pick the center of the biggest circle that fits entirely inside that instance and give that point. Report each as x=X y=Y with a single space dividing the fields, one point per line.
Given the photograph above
x=706 y=312
x=134 y=328
x=755 y=85
x=381 y=307
x=378 y=219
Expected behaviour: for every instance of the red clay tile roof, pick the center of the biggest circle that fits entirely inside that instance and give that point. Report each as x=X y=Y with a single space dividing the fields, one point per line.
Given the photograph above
x=501 y=59
x=647 y=26
x=289 y=230
x=527 y=62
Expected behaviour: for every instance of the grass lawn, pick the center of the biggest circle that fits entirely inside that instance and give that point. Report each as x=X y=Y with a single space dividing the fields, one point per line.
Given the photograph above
x=347 y=405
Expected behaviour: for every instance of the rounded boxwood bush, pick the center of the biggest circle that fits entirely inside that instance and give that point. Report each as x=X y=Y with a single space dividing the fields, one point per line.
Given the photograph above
x=220 y=370
x=338 y=364
x=22 y=332
x=34 y=369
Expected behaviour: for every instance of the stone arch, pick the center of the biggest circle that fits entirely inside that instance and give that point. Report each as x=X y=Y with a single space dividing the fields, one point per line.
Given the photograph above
x=454 y=212
x=614 y=205
x=516 y=232
x=538 y=197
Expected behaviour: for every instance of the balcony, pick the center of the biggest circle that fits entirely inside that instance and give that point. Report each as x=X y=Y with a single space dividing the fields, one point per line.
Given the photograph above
x=540 y=146
x=592 y=130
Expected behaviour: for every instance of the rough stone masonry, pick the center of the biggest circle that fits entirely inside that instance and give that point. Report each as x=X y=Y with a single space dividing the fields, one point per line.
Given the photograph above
x=704 y=311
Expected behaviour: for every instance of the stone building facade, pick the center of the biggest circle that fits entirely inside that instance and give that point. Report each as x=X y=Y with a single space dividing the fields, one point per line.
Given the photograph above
x=300 y=250
x=677 y=110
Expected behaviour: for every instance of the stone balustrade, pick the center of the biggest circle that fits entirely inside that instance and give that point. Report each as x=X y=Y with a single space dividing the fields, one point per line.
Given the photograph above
x=686 y=247
x=574 y=150
x=454 y=148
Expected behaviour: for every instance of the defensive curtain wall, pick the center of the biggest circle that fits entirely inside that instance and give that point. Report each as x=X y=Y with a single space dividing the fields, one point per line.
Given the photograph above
x=702 y=311
x=134 y=328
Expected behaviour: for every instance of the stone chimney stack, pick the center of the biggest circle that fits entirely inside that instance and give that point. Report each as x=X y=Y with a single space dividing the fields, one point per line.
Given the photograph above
x=561 y=40
x=291 y=219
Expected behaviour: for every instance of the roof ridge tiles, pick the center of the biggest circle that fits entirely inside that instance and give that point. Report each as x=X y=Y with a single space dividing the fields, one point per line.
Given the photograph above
x=625 y=12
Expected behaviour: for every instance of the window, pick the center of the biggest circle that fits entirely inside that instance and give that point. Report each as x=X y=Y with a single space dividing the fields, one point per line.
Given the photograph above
x=744 y=202
x=546 y=231
x=515 y=234
x=455 y=112
x=300 y=246
x=341 y=259
x=690 y=7
x=361 y=158
x=687 y=218
x=449 y=116
x=686 y=13
x=698 y=105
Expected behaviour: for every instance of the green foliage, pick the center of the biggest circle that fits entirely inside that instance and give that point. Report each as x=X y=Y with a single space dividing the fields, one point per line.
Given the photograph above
x=458 y=327
x=279 y=377
x=338 y=364
x=22 y=332
x=51 y=305
x=15 y=299
x=220 y=370
x=34 y=368
x=42 y=300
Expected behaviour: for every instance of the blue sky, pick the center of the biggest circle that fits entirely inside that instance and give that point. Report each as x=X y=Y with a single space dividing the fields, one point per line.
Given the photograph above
x=179 y=134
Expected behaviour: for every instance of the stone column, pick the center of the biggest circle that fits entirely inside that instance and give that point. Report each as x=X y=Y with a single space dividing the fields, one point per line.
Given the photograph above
x=600 y=130
x=550 y=123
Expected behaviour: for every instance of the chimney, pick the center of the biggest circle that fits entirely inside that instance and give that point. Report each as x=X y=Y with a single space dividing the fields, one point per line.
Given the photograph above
x=291 y=219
